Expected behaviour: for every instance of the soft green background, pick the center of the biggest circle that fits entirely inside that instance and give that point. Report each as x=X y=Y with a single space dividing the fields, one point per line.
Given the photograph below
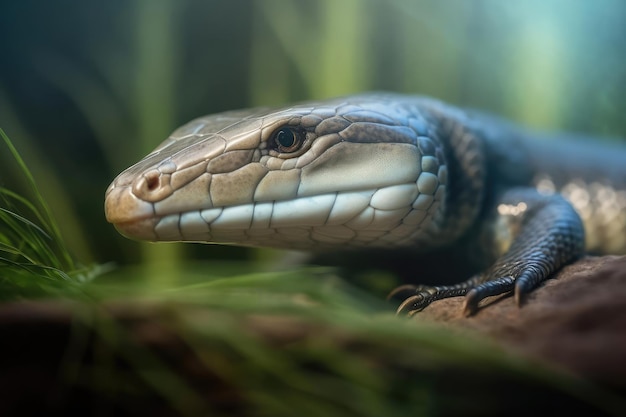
x=88 y=87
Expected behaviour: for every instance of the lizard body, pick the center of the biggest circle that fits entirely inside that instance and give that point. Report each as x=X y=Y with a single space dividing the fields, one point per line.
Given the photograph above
x=399 y=179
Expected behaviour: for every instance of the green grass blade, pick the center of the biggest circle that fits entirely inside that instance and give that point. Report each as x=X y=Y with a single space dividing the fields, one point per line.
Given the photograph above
x=33 y=258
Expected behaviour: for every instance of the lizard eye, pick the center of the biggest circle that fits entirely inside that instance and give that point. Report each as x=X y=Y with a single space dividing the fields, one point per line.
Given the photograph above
x=287 y=139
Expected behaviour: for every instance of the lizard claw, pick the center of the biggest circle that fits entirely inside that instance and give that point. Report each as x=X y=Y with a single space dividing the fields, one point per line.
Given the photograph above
x=412 y=305
x=470 y=305
x=486 y=289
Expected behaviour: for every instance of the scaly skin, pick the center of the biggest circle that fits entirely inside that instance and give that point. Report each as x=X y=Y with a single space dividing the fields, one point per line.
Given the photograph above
x=392 y=176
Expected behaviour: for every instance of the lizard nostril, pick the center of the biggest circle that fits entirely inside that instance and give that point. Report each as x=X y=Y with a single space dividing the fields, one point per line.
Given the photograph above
x=152 y=186
x=152 y=181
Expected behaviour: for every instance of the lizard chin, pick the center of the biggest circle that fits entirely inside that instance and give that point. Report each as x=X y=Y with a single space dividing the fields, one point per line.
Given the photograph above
x=141 y=229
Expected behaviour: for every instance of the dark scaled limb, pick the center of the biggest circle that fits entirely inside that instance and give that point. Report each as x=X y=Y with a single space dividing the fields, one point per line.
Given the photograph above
x=417 y=297
x=532 y=235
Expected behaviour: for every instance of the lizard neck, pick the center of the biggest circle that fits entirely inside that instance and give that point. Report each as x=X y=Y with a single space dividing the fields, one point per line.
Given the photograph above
x=467 y=180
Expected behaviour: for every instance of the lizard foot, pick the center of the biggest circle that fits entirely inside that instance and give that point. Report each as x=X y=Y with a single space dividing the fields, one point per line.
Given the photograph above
x=417 y=297
x=541 y=233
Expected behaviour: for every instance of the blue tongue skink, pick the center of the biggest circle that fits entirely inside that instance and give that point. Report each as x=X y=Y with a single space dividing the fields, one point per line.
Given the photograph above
x=384 y=172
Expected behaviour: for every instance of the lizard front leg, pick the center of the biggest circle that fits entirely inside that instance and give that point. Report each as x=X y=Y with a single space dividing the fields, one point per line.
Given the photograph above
x=532 y=235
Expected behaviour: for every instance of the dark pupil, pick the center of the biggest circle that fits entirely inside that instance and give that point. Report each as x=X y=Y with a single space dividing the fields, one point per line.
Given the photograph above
x=286 y=138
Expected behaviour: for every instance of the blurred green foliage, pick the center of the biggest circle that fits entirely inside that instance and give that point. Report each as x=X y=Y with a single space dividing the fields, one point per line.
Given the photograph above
x=89 y=87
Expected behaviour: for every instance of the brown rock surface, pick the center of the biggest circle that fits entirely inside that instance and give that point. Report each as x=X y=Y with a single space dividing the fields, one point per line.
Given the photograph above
x=576 y=320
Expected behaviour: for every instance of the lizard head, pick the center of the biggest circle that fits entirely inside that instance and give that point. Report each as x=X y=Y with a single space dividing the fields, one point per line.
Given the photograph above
x=345 y=172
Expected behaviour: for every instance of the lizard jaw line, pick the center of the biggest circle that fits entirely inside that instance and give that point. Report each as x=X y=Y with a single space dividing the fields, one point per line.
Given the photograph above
x=386 y=216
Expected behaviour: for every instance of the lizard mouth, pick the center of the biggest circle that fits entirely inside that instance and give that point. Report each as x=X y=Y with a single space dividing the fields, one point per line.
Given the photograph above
x=378 y=217
x=131 y=216
x=139 y=229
